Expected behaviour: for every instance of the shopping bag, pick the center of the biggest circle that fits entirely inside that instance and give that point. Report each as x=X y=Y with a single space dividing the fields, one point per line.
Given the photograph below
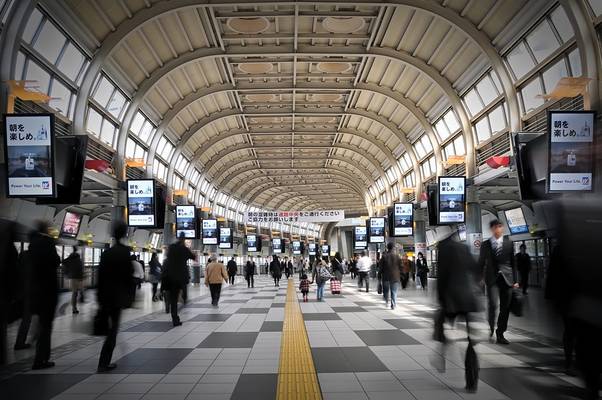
x=471 y=368
x=516 y=304
x=335 y=286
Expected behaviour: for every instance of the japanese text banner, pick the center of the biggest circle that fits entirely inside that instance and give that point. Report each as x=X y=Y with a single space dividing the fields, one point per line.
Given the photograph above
x=294 y=216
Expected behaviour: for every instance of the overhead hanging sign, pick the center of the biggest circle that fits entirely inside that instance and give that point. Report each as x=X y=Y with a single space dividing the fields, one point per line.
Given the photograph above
x=251 y=243
x=452 y=199
x=377 y=230
x=360 y=238
x=296 y=247
x=209 y=231
x=294 y=216
x=570 y=151
x=225 y=238
x=186 y=221
x=311 y=249
x=403 y=219
x=29 y=148
x=141 y=202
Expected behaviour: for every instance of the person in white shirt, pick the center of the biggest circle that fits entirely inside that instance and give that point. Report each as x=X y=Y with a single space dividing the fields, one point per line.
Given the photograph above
x=363 y=266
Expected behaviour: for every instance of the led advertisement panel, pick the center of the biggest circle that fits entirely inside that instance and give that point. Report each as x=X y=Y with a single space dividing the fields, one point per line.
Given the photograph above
x=209 y=231
x=141 y=202
x=452 y=200
x=186 y=221
x=325 y=250
x=251 y=243
x=225 y=238
x=377 y=230
x=403 y=219
x=71 y=224
x=311 y=249
x=276 y=245
x=296 y=247
x=516 y=221
x=360 y=237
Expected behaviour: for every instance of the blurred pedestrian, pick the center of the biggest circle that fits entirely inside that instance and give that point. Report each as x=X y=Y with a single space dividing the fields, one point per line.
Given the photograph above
x=363 y=267
x=250 y=273
x=11 y=297
x=391 y=275
x=24 y=283
x=523 y=263
x=457 y=293
x=215 y=274
x=45 y=263
x=320 y=276
x=337 y=266
x=232 y=270
x=406 y=268
x=177 y=275
x=276 y=270
x=422 y=270
x=154 y=274
x=74 y=269
x=138 y=271
x=115 y=287
x=496 y=261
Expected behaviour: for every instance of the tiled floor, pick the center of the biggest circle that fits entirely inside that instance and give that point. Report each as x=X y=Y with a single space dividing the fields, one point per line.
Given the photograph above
x=360 y=349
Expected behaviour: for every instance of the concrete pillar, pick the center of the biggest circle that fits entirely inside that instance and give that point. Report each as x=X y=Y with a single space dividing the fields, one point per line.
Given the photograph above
x=420 y=237
x=474 y=229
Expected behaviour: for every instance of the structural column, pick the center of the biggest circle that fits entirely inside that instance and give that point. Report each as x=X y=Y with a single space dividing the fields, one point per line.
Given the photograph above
x=474 y=229
x=420 y=237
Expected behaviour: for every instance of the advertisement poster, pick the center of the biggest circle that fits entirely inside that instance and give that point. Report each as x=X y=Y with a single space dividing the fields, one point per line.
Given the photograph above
x=462 y=232
x=311 y=249
x=516 y=221
x=296 y=247
x=360 y=238
x=276 y=245
x=209 y=231
x=225 y=238
x=420 y=248
x=29 y=154
x=251 y=243
x=71 y=224
x=141 y=202
x=377 y=230
x=452 y=199
x=186 y=221
x=403 y=219
x=570 y=157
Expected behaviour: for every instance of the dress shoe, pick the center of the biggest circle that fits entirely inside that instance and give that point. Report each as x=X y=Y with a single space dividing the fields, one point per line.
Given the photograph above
x=43 y=365
x=106 y=368
x=502 y=340
x=76 y=311
x=177 y=323
x=22 y=346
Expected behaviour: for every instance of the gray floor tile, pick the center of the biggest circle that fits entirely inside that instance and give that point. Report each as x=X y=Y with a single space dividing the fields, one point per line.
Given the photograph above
x=39 y=387
x=152 y=326
x=150 y=360
x=271 y=326
x=230 y=340
x=321 y=316
x=385 y=337
x=256 y=386
x=348 y=309
x=405 y=323
x=210 y=317
x=252 y=310
x=346 y=359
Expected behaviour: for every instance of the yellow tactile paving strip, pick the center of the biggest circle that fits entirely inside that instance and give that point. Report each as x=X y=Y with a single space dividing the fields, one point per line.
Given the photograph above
x=297 y=377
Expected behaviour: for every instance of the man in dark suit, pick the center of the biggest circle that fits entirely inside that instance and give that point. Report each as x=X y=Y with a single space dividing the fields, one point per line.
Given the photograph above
x=177 y=275
x=496 y=261
x=115 y=289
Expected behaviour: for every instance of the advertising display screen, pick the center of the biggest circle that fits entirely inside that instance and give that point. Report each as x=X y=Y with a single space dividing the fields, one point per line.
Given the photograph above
x=360 y=238
x=71 y=224
x=570 y=151
x=462 y=232
x=325 y=250
x=296 y=247
x=251 y=243
x=403 y=219
x=225 y=238
x=377 y=230
x=186 y=221
x=452 y=199
x=516 y=221
x=141 y=202
x=29 y=154
x=277 y=245
x=209 y=231
x=311 y=249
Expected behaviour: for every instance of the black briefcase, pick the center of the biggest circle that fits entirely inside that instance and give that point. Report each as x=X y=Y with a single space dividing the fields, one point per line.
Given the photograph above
x=516 y=304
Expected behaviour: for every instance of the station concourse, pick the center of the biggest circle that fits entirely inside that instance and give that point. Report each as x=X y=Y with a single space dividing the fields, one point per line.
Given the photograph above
x=443 y=153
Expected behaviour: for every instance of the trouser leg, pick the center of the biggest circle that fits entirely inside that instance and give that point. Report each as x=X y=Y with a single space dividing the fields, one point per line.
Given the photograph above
x=24 y=326
x=394 y=288
x=106 y=353
x=568 y=341
x=386 y=290
x=505 y=299
x=252 y=281
x=493 y=299
x=44 y=336
x=174 y=293
x=74 y=299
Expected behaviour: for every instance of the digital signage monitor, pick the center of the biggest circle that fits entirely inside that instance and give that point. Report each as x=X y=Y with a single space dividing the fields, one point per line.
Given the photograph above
x=325 y=250
x=296 y=247
x=209 y=231
x=277 y=245
x=252 y=241
x=376 y=228
x=186 y=222
x=452 y=200
x=71 y=224
x=403 y=219
x=516 y=221
x=360 y=237
x=29 y=155
x=225 y=238
x=141 y=202
x=311 y=249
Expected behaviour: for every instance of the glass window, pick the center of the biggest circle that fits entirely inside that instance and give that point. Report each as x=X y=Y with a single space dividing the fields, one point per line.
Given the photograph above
x=562 y=24
x=140 y=152
x=107 y=134
x=441 y=129
x=130 y=147
x=147 y=130
x=38 y=75
x=449 y=150
x=529 y=95
x=391 y=176
x=103 y=92
x=432 y=165
x=520 y=60
x=497 y=119
x=473 y=103
x=482 y=129
x=420 y=151
x=94 y=122
x=137 y=123
x=408 y=180
x=426 y=143
x=459 y=145
x=451 y=121
x=116 y=105
x=542 y=41
x=552 y=75
x=50 y=42
x=596 y=6
x=71 y=62
x=19 y=66
x=487 y=90
x=32 y=26
x=575 y=61
x=60 y=97
x=405 y=162
x=159 y=170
